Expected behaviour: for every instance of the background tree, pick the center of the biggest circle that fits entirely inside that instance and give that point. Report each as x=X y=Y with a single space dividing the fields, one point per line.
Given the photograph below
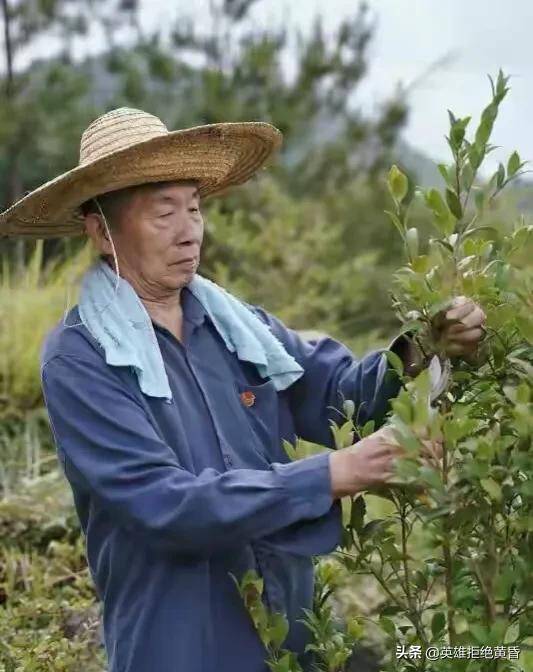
x=44 y=105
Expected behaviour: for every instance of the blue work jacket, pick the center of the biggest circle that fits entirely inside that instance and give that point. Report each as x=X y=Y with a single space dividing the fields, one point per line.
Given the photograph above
x=172 y=497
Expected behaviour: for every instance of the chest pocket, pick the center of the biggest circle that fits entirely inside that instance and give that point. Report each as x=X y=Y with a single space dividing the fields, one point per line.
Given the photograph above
x=259 y=409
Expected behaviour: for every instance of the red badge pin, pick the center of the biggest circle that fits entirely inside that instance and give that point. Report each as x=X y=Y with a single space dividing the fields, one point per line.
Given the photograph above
x=247 y=398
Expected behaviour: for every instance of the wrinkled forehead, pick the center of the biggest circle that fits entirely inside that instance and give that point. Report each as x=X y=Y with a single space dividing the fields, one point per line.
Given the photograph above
x=172 y=191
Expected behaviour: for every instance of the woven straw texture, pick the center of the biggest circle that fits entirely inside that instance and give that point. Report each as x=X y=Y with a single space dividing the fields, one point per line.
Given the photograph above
x=127 y=147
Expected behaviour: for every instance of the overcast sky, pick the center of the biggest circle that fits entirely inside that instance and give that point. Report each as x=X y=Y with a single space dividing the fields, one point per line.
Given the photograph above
x=479 y=36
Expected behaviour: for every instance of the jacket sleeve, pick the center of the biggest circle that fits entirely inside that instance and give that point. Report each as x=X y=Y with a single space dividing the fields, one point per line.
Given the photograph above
x=110 y=449
x=331 y=374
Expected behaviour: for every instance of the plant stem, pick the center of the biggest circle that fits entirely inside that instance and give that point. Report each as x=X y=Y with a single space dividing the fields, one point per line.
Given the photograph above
x=448 y=571
x=413 y=612
x=381 y=581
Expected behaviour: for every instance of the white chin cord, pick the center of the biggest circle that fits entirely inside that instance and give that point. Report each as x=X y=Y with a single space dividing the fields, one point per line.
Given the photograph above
x=117 y=272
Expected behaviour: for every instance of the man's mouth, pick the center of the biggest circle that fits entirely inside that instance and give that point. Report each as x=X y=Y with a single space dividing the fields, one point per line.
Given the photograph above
x=188 y=260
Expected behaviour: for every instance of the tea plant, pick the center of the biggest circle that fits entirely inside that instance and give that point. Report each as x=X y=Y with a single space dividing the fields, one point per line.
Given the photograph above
x=451 y=558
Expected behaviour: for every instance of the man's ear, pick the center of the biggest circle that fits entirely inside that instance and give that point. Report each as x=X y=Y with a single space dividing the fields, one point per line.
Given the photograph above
x=97 y=232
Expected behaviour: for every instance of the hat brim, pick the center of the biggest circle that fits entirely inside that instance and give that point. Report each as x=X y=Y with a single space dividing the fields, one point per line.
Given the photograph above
x=218 y=156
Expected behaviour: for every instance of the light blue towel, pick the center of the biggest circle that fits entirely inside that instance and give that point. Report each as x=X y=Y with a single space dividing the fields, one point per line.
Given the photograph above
x=123 y=327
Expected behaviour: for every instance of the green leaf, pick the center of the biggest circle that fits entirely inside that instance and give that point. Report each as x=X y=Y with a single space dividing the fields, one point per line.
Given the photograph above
x=454 y=203
x=394 y=361
x=512 y=633
x=525 y=325
x=443 y=170
x=513 y=165
x=290 y=450
x=475 y=156
x=412 y=325
x=484 y=130
x=420 y=580
x=283 y=664
x=491 y=488
x=479 y=199
x=438 y=623
x=500 y=175
x=501 y=86
x=467 y=176
x=391 y=610
x=479 y=632
x=451 y=117
x=358 y=514
x=387 y=625
x=348 y=407
x=435 y=202
x=457 y=132
x=279 y=627
x=445 y=244
x=396 y=221
x=398 y=184
x=375 y=526
x=437 y=205
x=480 y=229
x=344 y=435
x=421 y=264
x=368 y=428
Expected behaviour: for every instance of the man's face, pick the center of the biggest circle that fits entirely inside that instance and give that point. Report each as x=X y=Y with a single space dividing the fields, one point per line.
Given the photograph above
x=158 y=237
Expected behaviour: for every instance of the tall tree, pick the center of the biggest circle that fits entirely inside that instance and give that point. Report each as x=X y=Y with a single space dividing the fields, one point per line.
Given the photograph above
x=42 y=102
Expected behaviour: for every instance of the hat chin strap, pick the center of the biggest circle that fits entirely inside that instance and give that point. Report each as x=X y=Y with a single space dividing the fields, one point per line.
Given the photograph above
x=117 y=272
x=110 y=238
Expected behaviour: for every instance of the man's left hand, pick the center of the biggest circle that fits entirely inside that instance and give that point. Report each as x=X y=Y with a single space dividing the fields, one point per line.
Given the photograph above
x=461 y=328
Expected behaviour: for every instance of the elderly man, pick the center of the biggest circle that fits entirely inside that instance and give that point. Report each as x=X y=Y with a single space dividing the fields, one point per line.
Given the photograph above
x=169 y=400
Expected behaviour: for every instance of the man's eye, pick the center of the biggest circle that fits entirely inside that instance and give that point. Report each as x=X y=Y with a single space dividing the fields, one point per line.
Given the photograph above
x=194 y=209
x=167 y=214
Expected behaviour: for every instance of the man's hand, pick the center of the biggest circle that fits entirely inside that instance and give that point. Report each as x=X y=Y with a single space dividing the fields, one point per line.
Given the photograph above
x=461 y=328
x=459 y=331
x=370 y=462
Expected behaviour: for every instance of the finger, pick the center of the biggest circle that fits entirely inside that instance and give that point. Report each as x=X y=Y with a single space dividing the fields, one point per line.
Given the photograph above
x=454 y=349
x=386 y=453
x=467 y=336
x=438 y=448
x=455 y=328
x=473 y=319
x=429 y=459
x=386 y=442
x=432 y=448
x=476 y=318
x=378 y=457
x=426 y=452
x=387 y=433
x=422 y=433
x=389 y=474
x=462 y=306
x=387 y=464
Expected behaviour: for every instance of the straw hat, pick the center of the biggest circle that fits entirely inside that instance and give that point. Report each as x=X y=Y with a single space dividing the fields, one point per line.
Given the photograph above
x=126 y=147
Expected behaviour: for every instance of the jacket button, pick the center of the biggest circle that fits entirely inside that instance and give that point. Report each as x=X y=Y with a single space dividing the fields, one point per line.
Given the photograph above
x=228 y=460
x=247 y=398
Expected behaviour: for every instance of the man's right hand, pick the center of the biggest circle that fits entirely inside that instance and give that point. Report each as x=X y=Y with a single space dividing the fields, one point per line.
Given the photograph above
x=369 y=463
